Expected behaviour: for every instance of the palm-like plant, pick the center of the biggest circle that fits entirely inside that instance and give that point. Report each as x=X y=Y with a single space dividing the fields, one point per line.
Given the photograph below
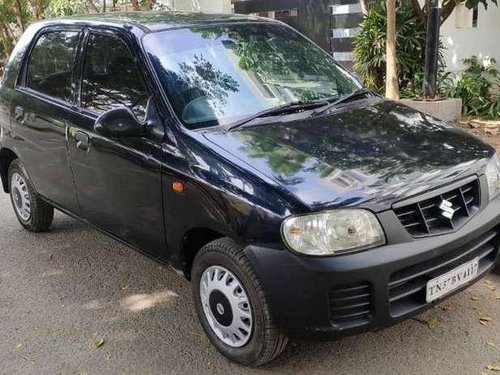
x=370 y=47
x=479 y=87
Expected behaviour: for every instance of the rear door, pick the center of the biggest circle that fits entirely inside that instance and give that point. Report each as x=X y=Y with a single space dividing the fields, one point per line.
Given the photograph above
x=118 y=180
x=43 y=108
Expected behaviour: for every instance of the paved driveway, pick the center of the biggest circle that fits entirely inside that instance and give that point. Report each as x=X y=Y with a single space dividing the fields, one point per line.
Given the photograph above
x=64 y=291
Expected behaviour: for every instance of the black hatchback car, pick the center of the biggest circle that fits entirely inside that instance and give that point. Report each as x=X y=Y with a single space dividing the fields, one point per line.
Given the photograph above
x=232 y=148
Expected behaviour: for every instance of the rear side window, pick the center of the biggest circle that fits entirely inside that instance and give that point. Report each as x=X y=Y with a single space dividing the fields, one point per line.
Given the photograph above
x=111 y=77
x=50 y=65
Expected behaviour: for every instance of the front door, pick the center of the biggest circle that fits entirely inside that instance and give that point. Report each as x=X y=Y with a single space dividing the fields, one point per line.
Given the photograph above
x=118 y=180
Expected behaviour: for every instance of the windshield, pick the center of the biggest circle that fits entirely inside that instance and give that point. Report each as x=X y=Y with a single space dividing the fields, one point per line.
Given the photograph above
x=219 y=74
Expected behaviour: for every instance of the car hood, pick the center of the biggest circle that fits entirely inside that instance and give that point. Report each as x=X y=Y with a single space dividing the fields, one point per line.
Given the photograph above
x=370 y=154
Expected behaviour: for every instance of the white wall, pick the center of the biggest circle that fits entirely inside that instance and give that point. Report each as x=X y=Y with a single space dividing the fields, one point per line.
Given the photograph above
x=205 y=6
x=481 y=41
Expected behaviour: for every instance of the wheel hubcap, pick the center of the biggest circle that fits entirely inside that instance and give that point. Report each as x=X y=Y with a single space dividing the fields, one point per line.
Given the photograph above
x=20 y=195
x=226 y=306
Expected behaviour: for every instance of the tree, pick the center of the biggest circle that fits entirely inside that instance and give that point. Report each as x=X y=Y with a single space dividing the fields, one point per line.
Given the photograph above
x=61 y=8
x=364 y=7
x=447 y=7
x=19 y=14
x=95 y=8
x=13 y=18
x=391 y=81
x=135 y=4
x=38 y=7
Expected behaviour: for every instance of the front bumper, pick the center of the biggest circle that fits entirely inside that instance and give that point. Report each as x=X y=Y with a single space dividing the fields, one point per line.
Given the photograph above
x=328 y=298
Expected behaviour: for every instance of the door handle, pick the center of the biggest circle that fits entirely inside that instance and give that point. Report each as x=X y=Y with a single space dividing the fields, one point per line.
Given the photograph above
x=82 y=141
x=19 y=114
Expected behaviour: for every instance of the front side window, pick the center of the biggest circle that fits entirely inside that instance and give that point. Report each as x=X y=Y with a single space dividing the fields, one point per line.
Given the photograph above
x=111 y=77
x=215 y=75
x=50 y=66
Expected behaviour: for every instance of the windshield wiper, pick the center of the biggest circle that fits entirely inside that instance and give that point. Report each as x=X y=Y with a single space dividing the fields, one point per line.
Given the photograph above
x=281 y=109
x=363 y=92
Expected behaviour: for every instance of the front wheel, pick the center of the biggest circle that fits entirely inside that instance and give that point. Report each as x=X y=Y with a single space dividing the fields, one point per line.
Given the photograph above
x=33 y=213
x=232 y=307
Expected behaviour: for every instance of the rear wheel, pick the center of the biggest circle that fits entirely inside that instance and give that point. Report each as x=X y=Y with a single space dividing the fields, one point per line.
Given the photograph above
x=33 y=213
x=232 y=307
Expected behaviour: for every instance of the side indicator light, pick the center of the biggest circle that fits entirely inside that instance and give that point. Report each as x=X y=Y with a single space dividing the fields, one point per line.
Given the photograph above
x=178 y=187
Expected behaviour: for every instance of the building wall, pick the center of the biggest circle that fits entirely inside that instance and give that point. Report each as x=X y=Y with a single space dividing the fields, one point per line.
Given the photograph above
x=205 y=6
x=346 y=17
x=462 y=40
x=311 y=17
x=460 y=36
x=333 y=23
x=330 y=23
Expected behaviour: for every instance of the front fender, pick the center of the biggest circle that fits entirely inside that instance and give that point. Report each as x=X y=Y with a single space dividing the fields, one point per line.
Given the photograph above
x=221 y=196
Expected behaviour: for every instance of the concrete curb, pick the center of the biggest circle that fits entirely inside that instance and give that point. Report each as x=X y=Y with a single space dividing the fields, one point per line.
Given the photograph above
x=446 y=109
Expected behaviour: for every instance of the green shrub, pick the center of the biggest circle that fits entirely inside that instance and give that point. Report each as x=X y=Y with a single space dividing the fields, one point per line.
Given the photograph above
x=479 y=87
x=369 y=49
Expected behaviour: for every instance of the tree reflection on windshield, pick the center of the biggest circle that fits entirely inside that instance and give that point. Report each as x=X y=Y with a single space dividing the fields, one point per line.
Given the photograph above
x=195 y=80
x=218 y=74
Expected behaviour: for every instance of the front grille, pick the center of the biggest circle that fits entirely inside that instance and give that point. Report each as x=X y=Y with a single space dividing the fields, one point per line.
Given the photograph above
x=428 y=217
x=350 y=305
x=407 y=287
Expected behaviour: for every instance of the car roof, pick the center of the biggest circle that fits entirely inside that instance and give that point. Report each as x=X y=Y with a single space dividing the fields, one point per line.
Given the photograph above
x=154 y=21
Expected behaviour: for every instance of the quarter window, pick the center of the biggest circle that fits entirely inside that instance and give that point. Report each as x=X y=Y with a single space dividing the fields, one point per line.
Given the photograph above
x=111 y=77
x=50 y=65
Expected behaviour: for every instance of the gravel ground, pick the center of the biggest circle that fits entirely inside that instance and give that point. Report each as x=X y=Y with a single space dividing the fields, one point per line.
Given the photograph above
x=64 y=291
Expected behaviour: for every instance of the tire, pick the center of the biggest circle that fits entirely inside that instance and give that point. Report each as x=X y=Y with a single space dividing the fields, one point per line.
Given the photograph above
x=36 y=215
x=265 y=341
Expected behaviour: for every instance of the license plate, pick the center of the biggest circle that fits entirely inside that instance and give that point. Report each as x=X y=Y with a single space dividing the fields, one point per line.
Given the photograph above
x=451 y=280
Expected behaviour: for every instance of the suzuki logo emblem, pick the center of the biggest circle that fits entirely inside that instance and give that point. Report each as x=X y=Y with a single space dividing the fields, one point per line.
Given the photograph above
x=446 y=208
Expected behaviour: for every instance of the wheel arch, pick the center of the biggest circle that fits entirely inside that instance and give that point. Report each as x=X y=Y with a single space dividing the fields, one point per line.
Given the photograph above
x=192 y=242
x=7 y=156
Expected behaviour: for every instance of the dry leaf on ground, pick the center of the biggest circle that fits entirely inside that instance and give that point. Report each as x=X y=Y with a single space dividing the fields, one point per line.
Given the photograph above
x=447 y=307
x=97 y=341
x=493 y=367
x=485 y=318
x=431 y=323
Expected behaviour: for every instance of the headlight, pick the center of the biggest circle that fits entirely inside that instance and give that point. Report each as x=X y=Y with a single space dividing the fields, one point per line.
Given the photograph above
x=493 y=176
x=333 y=232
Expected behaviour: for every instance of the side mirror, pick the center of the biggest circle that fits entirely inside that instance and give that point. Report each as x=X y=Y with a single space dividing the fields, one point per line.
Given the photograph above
x=119 y=122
